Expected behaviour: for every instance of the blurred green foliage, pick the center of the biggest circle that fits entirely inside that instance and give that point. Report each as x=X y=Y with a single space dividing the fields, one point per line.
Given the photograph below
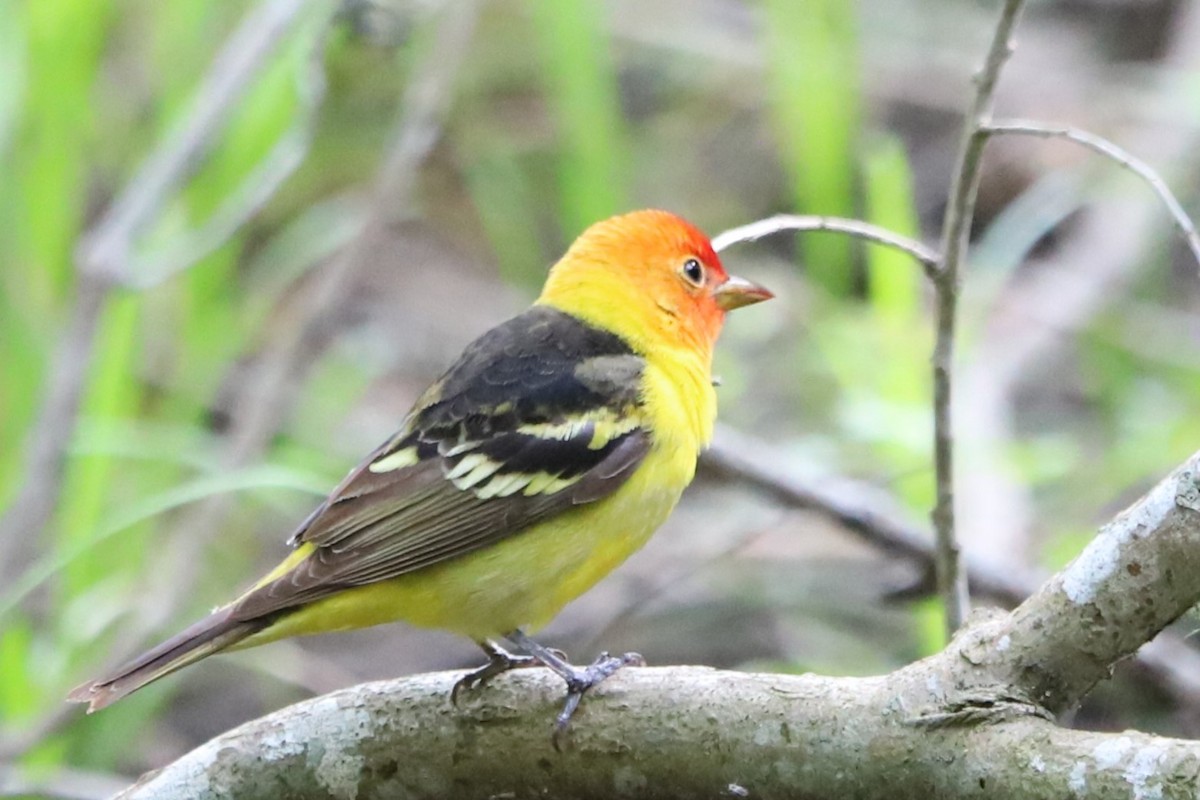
x=813 y=66
x=555 y=124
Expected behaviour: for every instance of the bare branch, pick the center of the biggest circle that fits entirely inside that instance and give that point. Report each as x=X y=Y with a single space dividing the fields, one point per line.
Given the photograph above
x=678 y=732
x=1088 y=272
x=952 y=581
x=1114 y=152
x=944 y=271
x=928 y=259
x=986 y=700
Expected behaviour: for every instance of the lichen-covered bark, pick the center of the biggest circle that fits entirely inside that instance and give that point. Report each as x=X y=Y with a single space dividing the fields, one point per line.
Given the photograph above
x=1140 y=573
x=975 y=720
x=681 y=733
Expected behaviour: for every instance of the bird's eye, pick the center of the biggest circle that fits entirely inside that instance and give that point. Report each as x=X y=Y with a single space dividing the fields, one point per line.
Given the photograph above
x=693 y=271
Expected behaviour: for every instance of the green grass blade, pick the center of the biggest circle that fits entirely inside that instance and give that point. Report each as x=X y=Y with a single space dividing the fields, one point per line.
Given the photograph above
x=582 y=88
x=894 y=281
x=815 y=99
x=65 y=42
x=504 y=201
x=87 y=486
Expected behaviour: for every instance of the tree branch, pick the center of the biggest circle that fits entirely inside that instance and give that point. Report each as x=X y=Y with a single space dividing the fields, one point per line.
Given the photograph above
x=797 y=223
x=944 y=272
x=960 y=211
x=971 y=721
x=667 y=732
x=1110 y=150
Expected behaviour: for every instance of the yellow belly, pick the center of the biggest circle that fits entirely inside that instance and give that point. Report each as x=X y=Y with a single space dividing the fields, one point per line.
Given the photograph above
x=521 y=582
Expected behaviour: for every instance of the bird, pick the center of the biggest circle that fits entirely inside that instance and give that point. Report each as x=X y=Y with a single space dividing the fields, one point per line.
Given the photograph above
x=544 y=457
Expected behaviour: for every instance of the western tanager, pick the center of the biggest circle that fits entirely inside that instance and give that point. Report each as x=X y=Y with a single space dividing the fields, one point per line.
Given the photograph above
x=543 y=458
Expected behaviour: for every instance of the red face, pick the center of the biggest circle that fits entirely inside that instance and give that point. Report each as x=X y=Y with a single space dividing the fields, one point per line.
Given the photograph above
x=676 y=250
x=668 y=277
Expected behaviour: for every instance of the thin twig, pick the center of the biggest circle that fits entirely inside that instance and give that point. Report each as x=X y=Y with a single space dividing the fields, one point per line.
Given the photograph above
x=1090 y=271
x=102 y=260
x=1110 y=150
x=928 y=259
x=952 y=580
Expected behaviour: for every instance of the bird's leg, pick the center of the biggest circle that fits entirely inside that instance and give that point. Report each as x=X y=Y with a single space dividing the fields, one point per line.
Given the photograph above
x=499 y=662
x=578 y=680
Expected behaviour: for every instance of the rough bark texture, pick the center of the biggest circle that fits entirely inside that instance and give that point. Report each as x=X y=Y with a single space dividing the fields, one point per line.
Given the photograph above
x=975 y=720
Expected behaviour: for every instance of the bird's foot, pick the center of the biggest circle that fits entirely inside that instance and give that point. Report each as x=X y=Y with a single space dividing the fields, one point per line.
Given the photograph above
x=499 y=662
x=580 y=680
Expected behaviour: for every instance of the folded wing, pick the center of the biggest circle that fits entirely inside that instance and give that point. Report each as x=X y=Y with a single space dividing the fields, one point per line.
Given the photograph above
x=541 y=414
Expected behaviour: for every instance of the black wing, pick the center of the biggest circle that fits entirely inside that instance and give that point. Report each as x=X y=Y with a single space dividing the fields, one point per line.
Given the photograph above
x=539 y=414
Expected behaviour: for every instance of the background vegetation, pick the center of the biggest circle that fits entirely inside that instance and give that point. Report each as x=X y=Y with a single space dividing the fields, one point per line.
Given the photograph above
x=248 y=370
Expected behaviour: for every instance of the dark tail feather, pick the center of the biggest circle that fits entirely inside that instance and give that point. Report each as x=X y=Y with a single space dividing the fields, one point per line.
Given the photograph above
x=214 y=633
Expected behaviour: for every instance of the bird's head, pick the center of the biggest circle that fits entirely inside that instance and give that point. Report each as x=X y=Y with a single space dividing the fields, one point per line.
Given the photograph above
x=651 y=277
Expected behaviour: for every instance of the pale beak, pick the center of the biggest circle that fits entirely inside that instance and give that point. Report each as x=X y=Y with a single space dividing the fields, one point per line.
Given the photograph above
x=737 y=292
